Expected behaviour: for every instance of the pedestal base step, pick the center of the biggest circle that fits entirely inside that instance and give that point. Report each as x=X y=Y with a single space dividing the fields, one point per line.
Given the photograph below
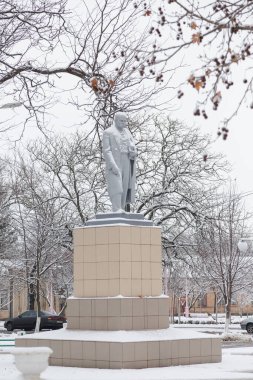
x=133 y=219
x=118 y=313
x=126 y=349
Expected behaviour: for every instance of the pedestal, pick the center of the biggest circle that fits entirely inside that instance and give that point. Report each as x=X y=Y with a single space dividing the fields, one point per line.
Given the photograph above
x=118 y=317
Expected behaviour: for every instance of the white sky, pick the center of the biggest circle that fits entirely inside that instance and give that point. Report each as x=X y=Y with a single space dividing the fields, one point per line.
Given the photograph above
x=238 y=148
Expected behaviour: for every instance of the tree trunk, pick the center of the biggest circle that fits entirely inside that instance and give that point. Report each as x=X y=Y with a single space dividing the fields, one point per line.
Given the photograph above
x=37 y=327
x=31 y=297
x=228 y=314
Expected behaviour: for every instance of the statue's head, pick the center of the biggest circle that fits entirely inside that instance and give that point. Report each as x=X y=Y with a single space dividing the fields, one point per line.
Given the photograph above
x=120 y=120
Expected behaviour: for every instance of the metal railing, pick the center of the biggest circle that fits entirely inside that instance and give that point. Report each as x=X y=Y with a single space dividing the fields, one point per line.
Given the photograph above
x=7 y=340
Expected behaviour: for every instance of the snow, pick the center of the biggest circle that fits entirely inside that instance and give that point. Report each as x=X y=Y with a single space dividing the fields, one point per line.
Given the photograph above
x=118 y=296
x=237 y=364
x=203 y=318
x=236 y=337
x=118 y=336
x=207 y=327
x=106 y=223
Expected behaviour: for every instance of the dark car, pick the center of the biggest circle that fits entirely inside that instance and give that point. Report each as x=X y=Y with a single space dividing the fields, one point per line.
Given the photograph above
x=27 y=321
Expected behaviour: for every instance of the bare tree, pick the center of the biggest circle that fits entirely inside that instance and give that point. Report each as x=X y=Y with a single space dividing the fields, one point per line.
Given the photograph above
x=40 y=222
x=98 y=51
x=30 y=30
x=121 y=55
x=174 y=182
x=227 y=268
x=8 y=241
x=77 y=167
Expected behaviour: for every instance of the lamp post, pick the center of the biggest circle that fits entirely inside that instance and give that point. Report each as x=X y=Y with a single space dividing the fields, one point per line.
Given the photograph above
x=243 y=245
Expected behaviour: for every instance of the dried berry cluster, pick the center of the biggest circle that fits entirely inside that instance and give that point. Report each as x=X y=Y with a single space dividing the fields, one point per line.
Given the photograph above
x=204 y=114
x=228 y=12
x=155 y=30
x=228 y=84
x=198 y=113
x=162 y=16
x=121 y=54
x=159 y=78
x=216 y=99
x=179 y=31
x=180 y=94
x=223 y=132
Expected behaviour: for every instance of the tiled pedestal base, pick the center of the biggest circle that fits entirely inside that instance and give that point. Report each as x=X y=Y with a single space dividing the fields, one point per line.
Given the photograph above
x=118 y=313
x=126 y=349
x=117 y=317
x=113 y=260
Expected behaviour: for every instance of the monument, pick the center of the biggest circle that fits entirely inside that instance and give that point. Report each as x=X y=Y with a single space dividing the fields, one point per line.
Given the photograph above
x=118 y=316
x=120 y=154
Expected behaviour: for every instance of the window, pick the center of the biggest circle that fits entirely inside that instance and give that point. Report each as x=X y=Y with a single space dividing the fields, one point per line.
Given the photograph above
x=29 y=313
x=202 y=301
x=4 y=300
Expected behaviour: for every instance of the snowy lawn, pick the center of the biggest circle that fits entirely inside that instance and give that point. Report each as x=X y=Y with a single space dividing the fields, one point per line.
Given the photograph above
x=207 y=326
x=237 y=363
x=235 y=334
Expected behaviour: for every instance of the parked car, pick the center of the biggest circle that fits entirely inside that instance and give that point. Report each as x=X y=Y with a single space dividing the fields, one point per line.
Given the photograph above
x=247 y=324
x=27 y=321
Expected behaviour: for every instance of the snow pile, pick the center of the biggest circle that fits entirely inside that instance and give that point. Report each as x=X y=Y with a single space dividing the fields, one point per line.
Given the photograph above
x=236 y=337
x=195 y=319
x=204 y=318
x=221 y=318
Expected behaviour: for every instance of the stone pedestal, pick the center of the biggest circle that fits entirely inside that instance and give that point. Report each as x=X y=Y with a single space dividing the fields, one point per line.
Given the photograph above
x=118 y=317
x=117 y=260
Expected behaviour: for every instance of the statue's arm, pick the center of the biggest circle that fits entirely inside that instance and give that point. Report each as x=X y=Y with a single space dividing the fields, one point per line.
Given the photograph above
x=132 y=147
x=111 y=164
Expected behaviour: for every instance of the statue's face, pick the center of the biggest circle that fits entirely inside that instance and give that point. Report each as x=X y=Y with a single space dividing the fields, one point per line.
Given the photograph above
x=121 y=122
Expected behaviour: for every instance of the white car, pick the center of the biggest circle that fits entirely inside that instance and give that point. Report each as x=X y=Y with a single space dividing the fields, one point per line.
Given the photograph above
x=247 y=324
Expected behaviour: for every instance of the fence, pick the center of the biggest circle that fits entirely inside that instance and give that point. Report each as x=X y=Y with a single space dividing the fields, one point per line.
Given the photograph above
x=10 y=344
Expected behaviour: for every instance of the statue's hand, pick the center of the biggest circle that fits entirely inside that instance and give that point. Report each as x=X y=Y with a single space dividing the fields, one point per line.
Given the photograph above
x=115 y=170
x=132 y=151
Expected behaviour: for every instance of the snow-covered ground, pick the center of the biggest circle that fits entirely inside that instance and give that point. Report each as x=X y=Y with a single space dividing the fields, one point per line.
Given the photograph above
x=237 y=364
x=208 y=327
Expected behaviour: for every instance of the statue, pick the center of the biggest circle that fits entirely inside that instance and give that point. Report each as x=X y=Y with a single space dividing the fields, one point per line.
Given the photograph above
x=120 y=153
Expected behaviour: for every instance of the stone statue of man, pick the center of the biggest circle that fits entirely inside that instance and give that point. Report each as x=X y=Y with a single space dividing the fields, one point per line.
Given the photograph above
x=120 y=152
